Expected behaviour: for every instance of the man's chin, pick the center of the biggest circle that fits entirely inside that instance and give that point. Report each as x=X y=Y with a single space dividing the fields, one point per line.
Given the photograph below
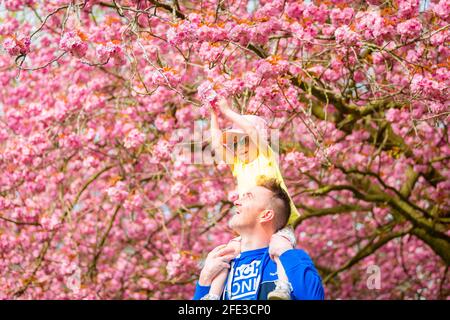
x=233 y=225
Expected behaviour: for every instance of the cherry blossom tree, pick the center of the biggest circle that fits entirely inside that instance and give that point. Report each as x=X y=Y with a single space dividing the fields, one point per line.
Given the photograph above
x=96 y=96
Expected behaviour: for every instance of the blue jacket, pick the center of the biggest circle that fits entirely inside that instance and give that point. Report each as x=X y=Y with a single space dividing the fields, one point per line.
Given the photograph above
x=254 y=275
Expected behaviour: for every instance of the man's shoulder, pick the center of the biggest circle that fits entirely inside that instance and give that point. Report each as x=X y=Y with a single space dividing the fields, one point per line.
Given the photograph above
x=299 y=254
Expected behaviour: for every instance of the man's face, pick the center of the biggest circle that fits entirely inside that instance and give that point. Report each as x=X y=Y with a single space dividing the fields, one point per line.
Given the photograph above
x=249 y=208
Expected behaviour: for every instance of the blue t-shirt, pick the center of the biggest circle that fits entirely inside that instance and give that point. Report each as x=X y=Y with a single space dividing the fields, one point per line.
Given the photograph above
x=245 y=275
x=253 y=275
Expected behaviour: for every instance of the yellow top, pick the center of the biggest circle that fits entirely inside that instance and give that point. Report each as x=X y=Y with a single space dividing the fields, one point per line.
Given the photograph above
x=247 y=173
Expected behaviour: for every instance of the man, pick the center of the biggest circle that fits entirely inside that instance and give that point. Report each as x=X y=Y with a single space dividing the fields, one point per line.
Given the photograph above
x=260 y=213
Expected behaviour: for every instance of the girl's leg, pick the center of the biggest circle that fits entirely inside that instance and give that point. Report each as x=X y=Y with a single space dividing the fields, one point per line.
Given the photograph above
x=283 y=287
x=217 y=285
x=280 y=270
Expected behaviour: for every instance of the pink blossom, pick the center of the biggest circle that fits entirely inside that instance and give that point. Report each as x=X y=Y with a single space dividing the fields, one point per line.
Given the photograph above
x=408 y=8
x=164 y=76
x=346 y=36
x=315 y=13
x=71 y=41
x=91 y=162
x=111 y=50
x=179 y=188
x=414 y=55
x=162 y=150
x=234 y=86
x=16 y=5
x=71 y=141
x=427 y=87
x=442 y=9
x=184 y=115
x=208 y=93
x=143 y=20
x=441 y=74
x=177 y=265
x=270 y=9
x=251 y=80
x=299 y=160
x=409 y=29
x=165 y=124
x=438 y=107
x=211 y=34
x=15 y=46
x=134 y=139
x=341 y=16
x=294 y=9
x=9 y=26
x=271 y=67
x=212 y=193
x=52 y=221
x=118 y=192
x=371 y=25
x=439 y=38
x=134 y=202
x=303 y=34
x=210 y=53
x=260 y=34
x=240 y=33
x=184 y=32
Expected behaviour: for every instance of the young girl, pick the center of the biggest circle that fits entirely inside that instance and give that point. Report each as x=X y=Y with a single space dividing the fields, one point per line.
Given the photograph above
x=245 y=147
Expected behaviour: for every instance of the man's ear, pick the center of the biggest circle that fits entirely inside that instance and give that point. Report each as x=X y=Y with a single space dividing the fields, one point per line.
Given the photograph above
x=267 y=215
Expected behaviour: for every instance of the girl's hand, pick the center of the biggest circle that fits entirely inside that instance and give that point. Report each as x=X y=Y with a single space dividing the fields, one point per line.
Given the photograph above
x=278 y=245
x=235 y=244
x=217 y=260
x=222 y=105
x=214 y=107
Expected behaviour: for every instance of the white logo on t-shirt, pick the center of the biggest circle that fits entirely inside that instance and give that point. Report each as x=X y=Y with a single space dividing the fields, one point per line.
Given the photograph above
x=245 y=279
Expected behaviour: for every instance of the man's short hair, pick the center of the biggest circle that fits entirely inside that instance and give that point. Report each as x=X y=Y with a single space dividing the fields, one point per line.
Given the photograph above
x=280 y=202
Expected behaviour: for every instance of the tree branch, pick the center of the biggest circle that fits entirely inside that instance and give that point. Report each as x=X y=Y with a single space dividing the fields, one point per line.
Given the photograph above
x=367 y=250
